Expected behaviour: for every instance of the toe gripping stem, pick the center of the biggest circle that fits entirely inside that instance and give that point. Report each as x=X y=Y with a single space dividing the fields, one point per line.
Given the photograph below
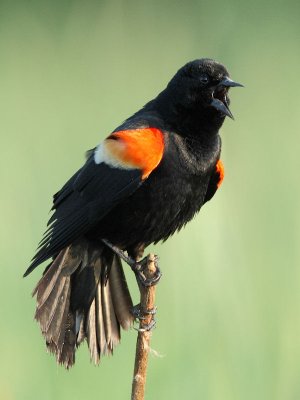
x=142 y=312
x=142 y=316
x=139 y=268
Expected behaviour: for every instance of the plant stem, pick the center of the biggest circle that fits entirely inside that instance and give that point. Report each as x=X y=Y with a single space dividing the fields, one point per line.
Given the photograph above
x=143 y=339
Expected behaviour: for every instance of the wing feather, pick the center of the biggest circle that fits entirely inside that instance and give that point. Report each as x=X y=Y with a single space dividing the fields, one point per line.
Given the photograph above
x=113 y=171
x=86 y=198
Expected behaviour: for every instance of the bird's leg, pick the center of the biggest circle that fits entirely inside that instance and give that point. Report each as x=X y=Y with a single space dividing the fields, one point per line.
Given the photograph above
x=137 y=267
x=121 y=253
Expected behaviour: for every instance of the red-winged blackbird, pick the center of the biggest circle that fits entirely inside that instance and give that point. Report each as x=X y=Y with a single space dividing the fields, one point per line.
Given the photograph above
x=141 y=184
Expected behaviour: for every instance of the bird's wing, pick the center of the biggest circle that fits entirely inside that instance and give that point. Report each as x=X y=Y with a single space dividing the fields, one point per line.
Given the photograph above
x=215 y=181
x=116 y=168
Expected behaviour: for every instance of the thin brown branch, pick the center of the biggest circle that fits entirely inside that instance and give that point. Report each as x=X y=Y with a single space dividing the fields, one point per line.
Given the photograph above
x=143 y=339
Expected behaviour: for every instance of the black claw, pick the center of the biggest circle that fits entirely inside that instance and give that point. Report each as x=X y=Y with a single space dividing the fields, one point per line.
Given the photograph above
x=138 y=269
x=141 y=315
x=153 y=311
x=147 y=327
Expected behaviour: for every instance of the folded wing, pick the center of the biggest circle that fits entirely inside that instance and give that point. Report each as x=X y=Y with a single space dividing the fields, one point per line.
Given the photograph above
x=116 y=168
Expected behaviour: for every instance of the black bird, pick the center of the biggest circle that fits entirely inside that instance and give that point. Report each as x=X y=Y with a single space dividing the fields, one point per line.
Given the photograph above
x=145 y=181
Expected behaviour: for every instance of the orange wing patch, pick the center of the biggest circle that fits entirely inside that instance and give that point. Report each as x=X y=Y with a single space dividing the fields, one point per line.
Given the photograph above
x=220 y=171
x=137 y=148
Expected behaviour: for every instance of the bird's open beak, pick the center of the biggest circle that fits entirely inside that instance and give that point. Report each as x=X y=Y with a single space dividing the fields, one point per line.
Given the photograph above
x=220 y=100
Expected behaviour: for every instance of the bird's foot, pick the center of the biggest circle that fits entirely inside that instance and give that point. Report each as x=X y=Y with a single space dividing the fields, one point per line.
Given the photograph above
x=139 y=268
x=142 y=315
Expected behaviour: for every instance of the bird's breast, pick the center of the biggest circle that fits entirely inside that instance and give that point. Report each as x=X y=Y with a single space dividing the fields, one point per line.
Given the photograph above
x=164 y=203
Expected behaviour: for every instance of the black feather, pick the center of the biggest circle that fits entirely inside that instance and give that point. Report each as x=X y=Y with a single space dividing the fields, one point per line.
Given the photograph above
x=86 y=198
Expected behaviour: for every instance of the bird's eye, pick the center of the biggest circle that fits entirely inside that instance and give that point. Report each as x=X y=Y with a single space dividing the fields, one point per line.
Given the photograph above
x=204 y=78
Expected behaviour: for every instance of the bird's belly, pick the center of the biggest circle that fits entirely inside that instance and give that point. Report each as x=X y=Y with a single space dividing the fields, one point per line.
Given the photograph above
x=155 y=211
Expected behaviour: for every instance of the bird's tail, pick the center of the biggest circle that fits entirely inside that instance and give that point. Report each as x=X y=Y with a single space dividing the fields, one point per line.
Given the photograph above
x=83 y=294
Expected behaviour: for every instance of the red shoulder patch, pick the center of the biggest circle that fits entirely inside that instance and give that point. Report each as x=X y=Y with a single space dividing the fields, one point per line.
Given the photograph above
x=137 y=148
x=220 y=171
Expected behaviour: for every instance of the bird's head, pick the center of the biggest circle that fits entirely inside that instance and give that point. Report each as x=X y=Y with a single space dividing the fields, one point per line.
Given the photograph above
x=203 y=84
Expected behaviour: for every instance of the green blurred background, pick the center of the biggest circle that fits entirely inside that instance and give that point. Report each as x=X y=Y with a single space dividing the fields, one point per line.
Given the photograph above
x=229 y=301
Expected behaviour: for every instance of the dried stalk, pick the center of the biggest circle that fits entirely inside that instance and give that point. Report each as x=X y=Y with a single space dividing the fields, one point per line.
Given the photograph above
x=143 y=339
